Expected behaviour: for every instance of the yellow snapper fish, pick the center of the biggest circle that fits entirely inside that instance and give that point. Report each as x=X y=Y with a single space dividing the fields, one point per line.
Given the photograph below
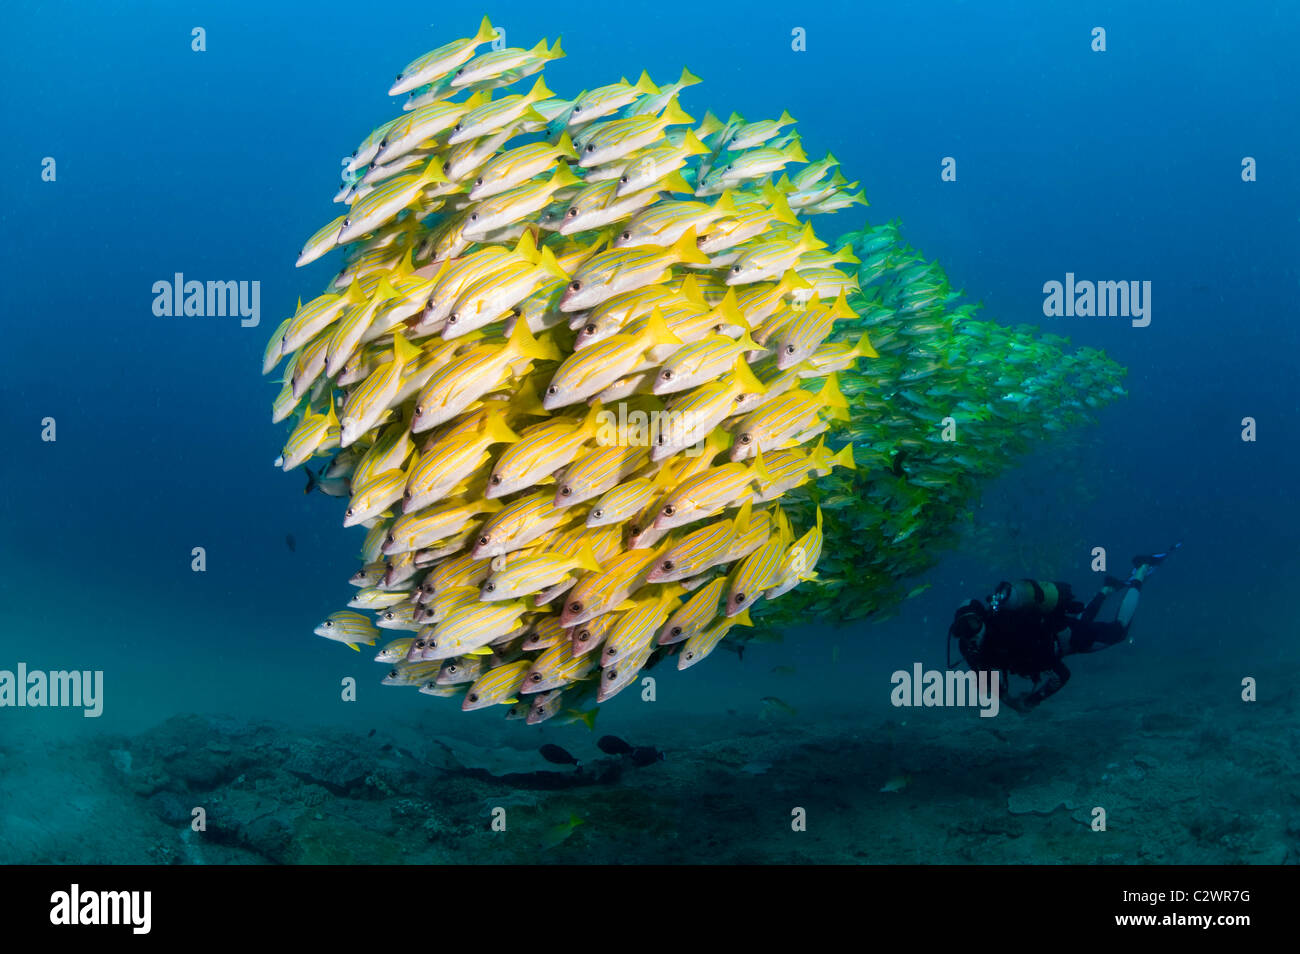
x=654 y=102
x=612 y=139
x=699 y=550
x=374 y=497
x=441 y=62
x=420 y=125
x=647 y=167
x=498 y=686
x=474 y=626
x=699 y=645
x=586 y=373
x=804 y=335
x=695 y=614
x=700 y=411
x=308 y=437
x=710 y=492
x=517 y=204
x=509 y=61
x=542 y=450
x=619 y=270
x=598 y=472
x=518 y=524
x=451 y=460
x=788 y=415
x=614 y=679
x=758 y=571
x=636 y=628
x=609 y=99
x=602 y=592
x=536 y=573
x=351 y=629
x=515 y=167
x=386 y=201
x=799 y=562
x=367 y=404
x=465 y=379
x=772 y=257
x=503 y=113
x=415 y=531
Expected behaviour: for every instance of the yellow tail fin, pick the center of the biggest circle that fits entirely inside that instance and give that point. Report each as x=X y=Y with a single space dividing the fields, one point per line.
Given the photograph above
x=685 y=249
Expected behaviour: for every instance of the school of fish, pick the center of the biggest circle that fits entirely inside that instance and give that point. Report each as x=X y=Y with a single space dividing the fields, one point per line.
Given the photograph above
x=587 y=365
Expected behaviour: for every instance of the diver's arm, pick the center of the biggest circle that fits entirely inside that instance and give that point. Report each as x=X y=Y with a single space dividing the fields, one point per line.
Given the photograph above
x=1053 y=681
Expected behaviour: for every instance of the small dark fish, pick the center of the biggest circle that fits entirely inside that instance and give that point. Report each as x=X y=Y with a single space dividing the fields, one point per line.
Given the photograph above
x=292 y=543
x=370 y=733
x=613 y=745
x=553 y=753
x=644 y=755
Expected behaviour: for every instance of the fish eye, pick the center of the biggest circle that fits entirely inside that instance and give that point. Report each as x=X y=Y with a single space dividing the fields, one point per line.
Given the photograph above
x=572 y=213
x=789 y=349
x=451 y=669
x=623 y=180
x=612 y=673
x=745 y=438
x=461 y=71
x=349 y=513
x=496 y=480
x=393 y=674
x=388 y=615
x=676 y=631
x=566 y=490
x=347 y=222
x=589 y=329
x=735 y=269
x=329 y=623
x=483 y=541
x=575 y=607
x=458 y=127
x=408 y=495
x=591 y=147
x=575 y=286
x=453 y=318
x=598 y=513
x=473 y=697
x=383 y=142
x=491 y=587
x=740 y=598
x=690 y=655
x=552 y=390
x=419 y=644
x=667 y=564
x=626 y=236
x=536 y=677
x=478 y=181
x=612 y=651
x=669 y=510
x=446 y=166
x=419 y=409
x=667 y=375
x=584 y=635
x=739 y=398
x=473 y=216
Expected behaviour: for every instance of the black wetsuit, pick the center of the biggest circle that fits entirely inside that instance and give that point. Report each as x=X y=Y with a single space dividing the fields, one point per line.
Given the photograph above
x=1024 y=641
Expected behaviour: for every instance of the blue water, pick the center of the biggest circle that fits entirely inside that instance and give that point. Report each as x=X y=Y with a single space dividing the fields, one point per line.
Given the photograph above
x=1124 y=164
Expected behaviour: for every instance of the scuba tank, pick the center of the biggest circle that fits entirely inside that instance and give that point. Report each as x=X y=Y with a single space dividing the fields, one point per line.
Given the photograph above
x=1022 y=595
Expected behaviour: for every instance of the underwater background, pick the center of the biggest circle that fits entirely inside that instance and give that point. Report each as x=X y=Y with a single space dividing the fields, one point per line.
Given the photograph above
x=1116 y=165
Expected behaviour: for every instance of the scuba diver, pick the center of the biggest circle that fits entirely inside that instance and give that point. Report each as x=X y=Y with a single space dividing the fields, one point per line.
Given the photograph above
x=1028 y=628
